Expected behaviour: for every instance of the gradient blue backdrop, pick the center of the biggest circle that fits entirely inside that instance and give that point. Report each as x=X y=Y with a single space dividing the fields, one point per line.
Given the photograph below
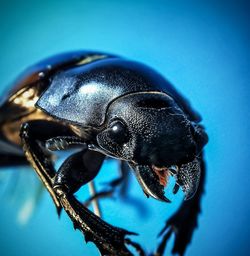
x=202 y=48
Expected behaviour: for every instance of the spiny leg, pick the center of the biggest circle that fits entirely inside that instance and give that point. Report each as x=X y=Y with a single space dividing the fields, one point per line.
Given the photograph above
x=110 y=240
x=183 y=222
x=78 y=170
x=64 y=142
x=34 y=135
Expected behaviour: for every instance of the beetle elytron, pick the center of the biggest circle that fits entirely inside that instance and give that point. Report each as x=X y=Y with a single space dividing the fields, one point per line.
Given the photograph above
x=106 y=106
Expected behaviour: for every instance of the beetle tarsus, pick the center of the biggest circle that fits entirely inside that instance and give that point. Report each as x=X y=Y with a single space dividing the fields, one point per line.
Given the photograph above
x=109 y=240
x=63 y=142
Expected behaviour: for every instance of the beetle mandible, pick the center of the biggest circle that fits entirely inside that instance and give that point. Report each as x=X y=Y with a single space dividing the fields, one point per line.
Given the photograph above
x=107 y=106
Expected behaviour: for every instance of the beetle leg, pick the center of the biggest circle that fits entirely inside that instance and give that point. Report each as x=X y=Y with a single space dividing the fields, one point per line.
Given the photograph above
x=33 y=135
x=183 y=222
x=110 y=240
x=76 y=171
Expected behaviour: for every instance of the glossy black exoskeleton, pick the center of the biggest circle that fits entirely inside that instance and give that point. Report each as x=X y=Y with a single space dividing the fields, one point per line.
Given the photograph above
x=106 y=106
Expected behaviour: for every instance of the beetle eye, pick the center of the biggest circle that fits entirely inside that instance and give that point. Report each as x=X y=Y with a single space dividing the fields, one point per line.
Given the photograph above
x=118 y=132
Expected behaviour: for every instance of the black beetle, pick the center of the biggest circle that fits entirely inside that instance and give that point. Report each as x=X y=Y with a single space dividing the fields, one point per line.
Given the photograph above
x=106 y=106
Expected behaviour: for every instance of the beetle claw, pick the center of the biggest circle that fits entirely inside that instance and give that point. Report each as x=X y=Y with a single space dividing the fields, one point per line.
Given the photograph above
x=110 y=240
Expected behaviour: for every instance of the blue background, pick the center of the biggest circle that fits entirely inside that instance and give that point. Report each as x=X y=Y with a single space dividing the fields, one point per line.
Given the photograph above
x=202 y=48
